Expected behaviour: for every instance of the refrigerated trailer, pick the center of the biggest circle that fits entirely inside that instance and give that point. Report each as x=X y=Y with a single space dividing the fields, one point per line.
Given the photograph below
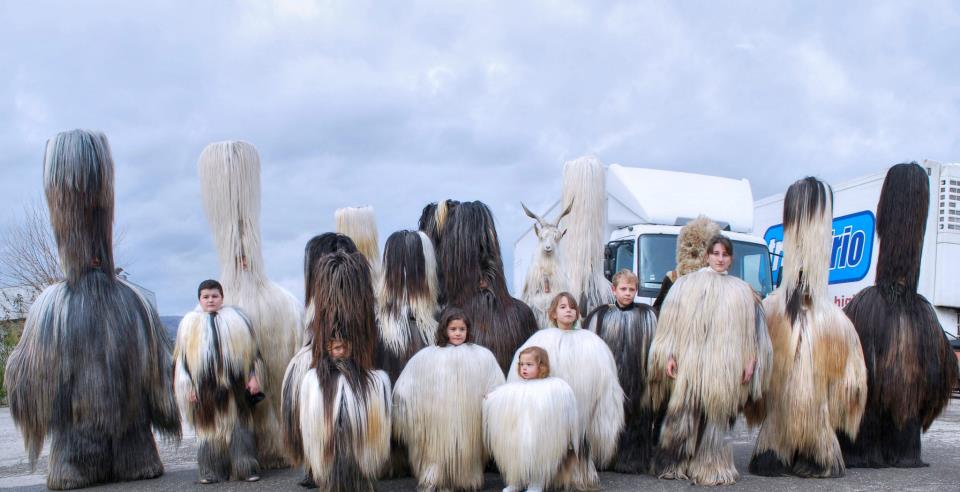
x=853 y=259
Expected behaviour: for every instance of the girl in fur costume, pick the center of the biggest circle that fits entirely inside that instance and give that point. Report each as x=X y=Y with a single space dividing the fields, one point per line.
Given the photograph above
x=531 y=427
x=691 y=243
x=216 y=362
x=92 y=368
x=818 y=381
x=910 y=365
x=710 y=357
x=628 y=329
x=230 y=187
x=344 y=405
x=584 y=361
x=437 y=407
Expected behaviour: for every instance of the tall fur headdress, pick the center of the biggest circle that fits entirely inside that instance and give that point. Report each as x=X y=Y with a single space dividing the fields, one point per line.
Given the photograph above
x=692 y=244
x=807 y=218
x=901 y=224
x=360 y=224
x=230 y=186
x=470 y=252
x=343 y=304
x=433 y=218
x=78 y=182
x=409 y=280
x=317 y=247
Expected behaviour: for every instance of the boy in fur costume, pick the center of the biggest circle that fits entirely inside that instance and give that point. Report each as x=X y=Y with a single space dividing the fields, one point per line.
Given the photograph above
x=584 y=361
x=818 y=382
x=92 y=368
x=691 y=243
x=437 y=410
x=216 y=361
x=230 y=186
x=343 y=405
x=710 y=357
x=474 y=281
x=628 y=329
x=531 y=427
x=910 y=365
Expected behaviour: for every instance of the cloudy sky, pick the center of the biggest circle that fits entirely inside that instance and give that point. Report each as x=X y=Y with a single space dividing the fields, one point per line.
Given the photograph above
x=395 y=104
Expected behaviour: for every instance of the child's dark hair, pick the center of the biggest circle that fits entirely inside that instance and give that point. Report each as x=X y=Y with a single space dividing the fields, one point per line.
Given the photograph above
x=722 y=240
x=449 y=315
x=209 y=284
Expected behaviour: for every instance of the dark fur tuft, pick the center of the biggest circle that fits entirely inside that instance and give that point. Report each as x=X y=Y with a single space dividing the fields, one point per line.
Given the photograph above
x=901 y=223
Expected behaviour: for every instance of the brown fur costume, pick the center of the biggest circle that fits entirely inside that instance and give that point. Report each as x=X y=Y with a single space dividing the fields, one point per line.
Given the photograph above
x=691 y=254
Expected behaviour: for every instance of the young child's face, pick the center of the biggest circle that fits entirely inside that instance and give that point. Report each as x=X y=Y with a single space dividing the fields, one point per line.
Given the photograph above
x=625 y=291
x=529 y=369
x=566 y=315
x=211 y=300
x=339 y=350
x=456 y=332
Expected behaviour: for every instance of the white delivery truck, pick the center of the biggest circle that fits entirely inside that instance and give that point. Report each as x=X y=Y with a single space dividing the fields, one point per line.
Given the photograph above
x=646 y=209
x=854 y=257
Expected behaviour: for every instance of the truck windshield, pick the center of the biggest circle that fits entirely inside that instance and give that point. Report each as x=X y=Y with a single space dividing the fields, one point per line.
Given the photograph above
x=751 y=262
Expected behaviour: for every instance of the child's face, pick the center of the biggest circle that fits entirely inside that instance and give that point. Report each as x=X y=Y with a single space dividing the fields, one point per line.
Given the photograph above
x=566 y=315
x=210 y=300
x=718 y=258
x=625 y=291
x=456 y=332
x=529 y=369
x=339 y=350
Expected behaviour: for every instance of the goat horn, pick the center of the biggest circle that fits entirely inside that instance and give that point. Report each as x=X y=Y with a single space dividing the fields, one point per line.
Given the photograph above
x=531 y=214
x=565 y=212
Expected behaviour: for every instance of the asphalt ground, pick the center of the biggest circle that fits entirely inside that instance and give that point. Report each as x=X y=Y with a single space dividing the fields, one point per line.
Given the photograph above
x=941 y=449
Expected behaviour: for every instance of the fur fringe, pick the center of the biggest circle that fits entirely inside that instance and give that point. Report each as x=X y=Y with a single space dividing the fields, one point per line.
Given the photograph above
x=438 y=414
x=531 y=429
x=807 y=218
x=360 y=224
x=910 y=365
x=709 y=324
x=230 y=186
x=692 y=244
x=629 y=334
x=584 y=361
x=585 y=186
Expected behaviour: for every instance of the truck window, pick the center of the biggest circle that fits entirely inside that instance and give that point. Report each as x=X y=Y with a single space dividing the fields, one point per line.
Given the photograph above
x=618 y=255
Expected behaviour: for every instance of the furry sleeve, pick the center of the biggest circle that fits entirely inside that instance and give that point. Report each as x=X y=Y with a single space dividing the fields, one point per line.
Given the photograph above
x=375 y=452
x=31 y=376
x=290 y=404
x=847 y=396
x=187 y=338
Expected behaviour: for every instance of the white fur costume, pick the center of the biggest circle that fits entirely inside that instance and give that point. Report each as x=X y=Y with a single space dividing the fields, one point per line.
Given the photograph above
x=438 y=413
x=532 y=430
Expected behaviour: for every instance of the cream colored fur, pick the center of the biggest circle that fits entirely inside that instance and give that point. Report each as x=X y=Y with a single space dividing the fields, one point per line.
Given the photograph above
x=438 y=413
x=530 y=428
x=360 y=225
x=692 y=244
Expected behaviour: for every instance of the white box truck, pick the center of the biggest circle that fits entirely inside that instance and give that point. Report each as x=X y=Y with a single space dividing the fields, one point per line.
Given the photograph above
x=646 y=209
x=854 y=258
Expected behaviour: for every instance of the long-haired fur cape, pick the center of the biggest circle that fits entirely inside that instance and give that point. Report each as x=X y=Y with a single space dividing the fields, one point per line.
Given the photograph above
x=474 y=281
x=532 y=431
x=214 y=357
x=818 y=382
x=585 y=187
x=584 y=361
x=713 y=326
x=230 y=186
x=691 y=253
x=910 y=365
x=92 y=368
x=360 y=224
x=406 y=300
x=437 y=413
x=338 y=422
x=628 y=333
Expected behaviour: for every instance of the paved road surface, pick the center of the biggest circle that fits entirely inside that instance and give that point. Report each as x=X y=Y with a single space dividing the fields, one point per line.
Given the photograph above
x=941 y=448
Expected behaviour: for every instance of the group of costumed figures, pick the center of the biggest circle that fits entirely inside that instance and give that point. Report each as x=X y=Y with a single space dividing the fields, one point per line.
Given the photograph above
x=420 y=362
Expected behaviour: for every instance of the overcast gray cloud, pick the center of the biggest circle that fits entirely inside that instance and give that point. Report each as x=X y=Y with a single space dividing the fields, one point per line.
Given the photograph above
x=395 y=104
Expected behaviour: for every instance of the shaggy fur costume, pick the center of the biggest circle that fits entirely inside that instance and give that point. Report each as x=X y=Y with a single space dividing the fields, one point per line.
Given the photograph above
x=712 y=325
x=532 y=430
x=584 y=361
x=214 y=358
x=230 y=186
x=585 y=188
x=474 y=281
x=629 y=332
x=92 y=368
x=437 y=414
x=818 y=383
x=360 y=225
x=691 y=254
x=343 y=405
x=910 y=365
x=547 y=275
